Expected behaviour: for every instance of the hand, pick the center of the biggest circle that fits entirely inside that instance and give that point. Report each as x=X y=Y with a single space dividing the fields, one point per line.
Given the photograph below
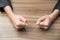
x=44 y=22
x=19 y=22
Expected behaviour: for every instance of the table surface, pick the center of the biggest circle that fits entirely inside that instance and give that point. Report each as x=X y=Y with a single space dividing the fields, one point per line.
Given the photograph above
x=31 y=10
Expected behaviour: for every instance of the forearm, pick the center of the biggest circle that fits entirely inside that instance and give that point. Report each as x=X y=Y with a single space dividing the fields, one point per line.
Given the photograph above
x=9 y=11
x=55 y=13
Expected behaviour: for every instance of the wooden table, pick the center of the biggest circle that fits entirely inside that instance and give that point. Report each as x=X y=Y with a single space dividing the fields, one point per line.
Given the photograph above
x=31 y=10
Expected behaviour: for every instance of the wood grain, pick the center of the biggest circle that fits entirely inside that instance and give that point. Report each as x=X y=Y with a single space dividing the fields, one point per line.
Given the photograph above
x=31 y=10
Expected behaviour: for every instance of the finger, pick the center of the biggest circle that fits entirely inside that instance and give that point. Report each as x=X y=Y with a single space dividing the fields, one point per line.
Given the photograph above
x=47 y=22
x=40 y=20
x=19 y=27
x=25 y=22
x=22 y=19
x=22 y=23
x=44 y=25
